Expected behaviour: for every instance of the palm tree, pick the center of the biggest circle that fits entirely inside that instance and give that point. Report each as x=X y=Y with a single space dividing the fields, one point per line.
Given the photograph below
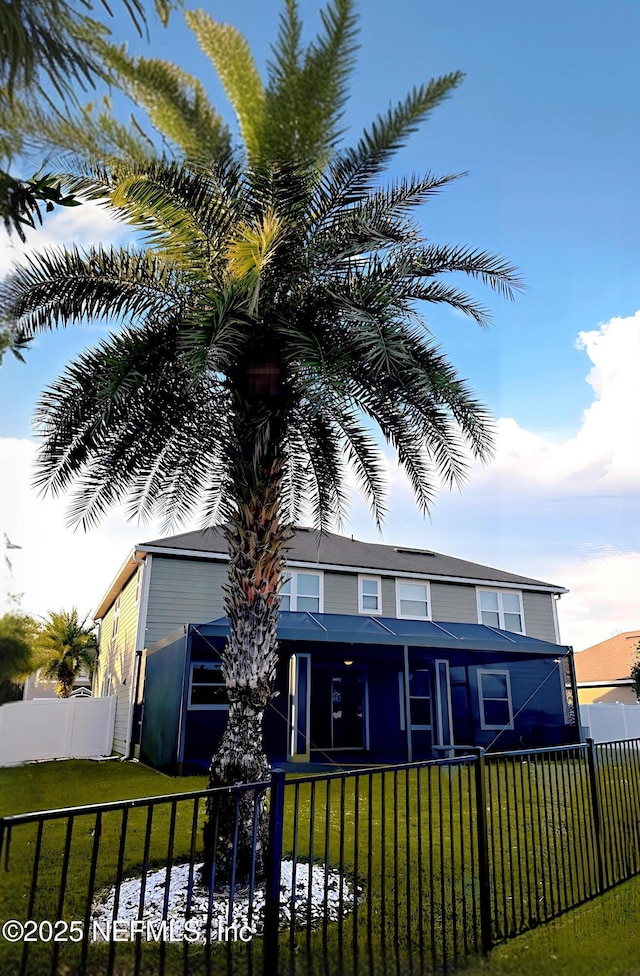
x=270 y=332
x=64 y=647
x=49 y=50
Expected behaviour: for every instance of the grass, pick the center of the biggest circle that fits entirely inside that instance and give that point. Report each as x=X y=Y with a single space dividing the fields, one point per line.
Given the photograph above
x=47 y=786
x=404 y=839
x=601 y=938
x=75 y=783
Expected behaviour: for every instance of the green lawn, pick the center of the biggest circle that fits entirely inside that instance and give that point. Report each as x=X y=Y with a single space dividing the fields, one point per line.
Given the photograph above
x=410 y=909
x=601 y=938
x=47 y=786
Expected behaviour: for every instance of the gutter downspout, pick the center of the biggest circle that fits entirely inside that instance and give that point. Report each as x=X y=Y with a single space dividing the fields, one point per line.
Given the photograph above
x=141 y=629
x=555 y=597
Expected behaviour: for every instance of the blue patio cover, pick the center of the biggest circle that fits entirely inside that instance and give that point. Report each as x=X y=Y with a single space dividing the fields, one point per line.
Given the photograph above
x=342 y=628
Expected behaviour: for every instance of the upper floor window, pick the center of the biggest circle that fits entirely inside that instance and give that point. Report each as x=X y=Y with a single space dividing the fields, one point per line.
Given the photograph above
x=412 y=599
x=494 y=694
x=207 y=688
x=502 y=609
x=302 y=591
x=116 y=619
x=369 y=596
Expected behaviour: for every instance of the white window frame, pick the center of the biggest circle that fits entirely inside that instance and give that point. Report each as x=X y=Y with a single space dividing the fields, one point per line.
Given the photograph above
x=500 y=593
x=107 y=686
x=361 y=607
x=115 y=625
x=293 y=576
x=211 y=666
x=482 y=698
x=412 y=582
x=429 y=698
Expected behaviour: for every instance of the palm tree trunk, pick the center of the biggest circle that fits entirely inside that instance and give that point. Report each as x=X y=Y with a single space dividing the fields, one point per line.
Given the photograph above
x=256 y=537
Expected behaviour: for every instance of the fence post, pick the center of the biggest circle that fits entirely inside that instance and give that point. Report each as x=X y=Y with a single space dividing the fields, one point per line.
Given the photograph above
x=486 y=933
x=596 y=812
x=273 y=867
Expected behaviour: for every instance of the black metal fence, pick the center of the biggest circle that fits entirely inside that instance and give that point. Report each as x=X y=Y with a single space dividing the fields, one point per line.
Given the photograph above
x=399 y=869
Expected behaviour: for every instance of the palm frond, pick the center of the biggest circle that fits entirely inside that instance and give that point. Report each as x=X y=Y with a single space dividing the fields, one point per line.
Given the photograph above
x=93 y=131
x=175 y=101
x=307 y=93
x=492 y=269
x=58 y=287
x=389 y=132
x=231 y=56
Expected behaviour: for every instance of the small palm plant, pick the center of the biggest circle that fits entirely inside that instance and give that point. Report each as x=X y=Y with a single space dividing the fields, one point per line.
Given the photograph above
x=64 y=647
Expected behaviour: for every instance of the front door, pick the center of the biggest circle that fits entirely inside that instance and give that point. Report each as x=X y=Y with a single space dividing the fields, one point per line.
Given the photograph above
x=339 y=708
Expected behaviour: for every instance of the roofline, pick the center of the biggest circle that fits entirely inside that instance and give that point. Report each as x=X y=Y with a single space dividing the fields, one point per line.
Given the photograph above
x=437 y=578
x=604 y=683
x=128 y=568
x=123 y=575
x=345 y=568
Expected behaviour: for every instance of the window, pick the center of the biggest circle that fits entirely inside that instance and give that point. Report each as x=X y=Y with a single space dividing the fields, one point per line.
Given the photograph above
x=412 y=599
x=116 y=620
x=420 y=699
x=502 y=609
x=302 y=591
x=369 y=599
x=107 y=686
x=207 y=688
x=494 y=693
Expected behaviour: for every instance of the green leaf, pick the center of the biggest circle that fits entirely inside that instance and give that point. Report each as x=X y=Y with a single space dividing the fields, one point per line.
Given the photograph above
x=231 y=56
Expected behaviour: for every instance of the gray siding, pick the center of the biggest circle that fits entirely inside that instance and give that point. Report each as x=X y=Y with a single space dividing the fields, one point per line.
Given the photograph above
x=538 y=615
x=340 y=593
x=454 y=602
x=117 y=659
x=183 y=591
x=388 y=597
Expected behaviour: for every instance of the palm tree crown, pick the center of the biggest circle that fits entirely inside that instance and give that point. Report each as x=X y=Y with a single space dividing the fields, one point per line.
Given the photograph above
x=64 y=647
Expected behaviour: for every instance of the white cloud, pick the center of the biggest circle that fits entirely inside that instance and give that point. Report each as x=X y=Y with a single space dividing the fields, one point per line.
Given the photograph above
x=604 y=598
x=82 y=225
x=54 y=567
x=604 y=455
x=563 y=511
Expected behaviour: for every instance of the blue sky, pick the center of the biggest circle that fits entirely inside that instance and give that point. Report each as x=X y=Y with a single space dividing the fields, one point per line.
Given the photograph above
x=547 y=125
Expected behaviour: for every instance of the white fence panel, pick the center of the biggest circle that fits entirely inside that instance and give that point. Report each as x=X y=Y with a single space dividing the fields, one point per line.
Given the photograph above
x=607 y=721
x=56 y=728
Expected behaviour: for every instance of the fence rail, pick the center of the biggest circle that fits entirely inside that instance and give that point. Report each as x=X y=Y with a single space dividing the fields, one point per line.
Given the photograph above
x=420 y=864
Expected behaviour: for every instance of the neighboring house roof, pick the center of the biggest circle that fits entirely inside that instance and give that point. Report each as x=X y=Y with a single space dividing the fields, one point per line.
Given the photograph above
x=332 y=551
x=610 y=660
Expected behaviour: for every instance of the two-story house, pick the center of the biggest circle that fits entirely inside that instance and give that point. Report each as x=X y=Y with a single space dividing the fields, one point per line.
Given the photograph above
x=386 y=652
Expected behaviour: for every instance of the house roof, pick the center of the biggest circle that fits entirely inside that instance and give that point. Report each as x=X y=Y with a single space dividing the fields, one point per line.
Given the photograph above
x=342 y=628
x=610 y=660
x=331 y=551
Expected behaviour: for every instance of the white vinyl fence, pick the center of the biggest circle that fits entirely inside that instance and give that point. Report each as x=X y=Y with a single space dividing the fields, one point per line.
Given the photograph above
x=56 y=728
x=607 y=721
